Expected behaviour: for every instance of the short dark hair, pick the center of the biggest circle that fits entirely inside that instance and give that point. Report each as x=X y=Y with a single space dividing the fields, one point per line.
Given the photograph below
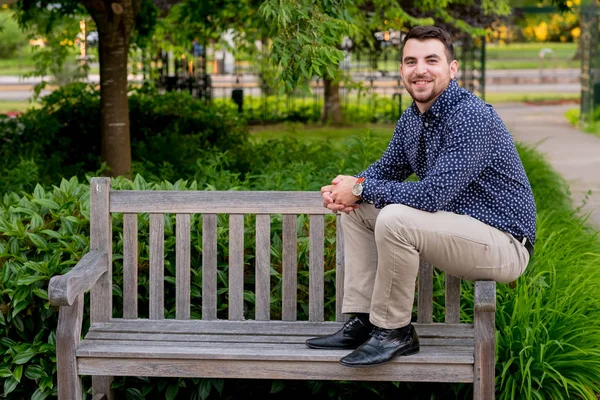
x=431 y=32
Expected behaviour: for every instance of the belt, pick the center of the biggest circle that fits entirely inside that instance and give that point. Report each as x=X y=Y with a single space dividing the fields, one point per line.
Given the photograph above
x=527 y=243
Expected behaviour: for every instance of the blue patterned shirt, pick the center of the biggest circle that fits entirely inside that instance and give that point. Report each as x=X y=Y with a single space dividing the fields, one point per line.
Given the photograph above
x=466 y=162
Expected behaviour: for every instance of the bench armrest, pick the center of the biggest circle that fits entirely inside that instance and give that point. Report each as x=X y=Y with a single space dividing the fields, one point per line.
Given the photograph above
x=63 y=289
x=485 y=296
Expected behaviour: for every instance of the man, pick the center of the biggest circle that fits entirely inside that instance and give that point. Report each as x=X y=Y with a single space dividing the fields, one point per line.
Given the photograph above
x=471 y=214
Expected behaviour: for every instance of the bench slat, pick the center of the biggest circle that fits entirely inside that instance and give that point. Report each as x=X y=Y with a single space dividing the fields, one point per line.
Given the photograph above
x=290 y=266
x=209 y=266
x=272 y=328
x=425 y=295
x=316 y=296
x=250 y=345
x=182 y=265
x=236 y=267
x=130 y=266
x=209 y=339
x=452 y=299
x=217 y=202
x=252 y=351
x=263 y=267
x=339 y=271
x=400 y=369
x=157 y=266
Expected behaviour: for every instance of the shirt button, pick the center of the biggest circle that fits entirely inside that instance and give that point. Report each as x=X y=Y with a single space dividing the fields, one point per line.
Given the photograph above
x=426 y=123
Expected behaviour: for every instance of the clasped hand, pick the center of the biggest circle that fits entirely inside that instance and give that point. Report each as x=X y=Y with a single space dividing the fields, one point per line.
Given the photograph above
x=338 y=196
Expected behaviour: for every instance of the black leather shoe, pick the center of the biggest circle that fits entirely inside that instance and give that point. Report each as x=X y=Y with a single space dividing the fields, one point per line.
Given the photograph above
x=353 y=334
x=384 y=345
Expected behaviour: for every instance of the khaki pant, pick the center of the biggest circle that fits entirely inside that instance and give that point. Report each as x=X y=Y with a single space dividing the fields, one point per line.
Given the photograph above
x=382 y=250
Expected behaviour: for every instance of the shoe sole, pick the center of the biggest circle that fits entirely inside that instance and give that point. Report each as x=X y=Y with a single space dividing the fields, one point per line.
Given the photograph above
x=407 y=352
x=332 y=348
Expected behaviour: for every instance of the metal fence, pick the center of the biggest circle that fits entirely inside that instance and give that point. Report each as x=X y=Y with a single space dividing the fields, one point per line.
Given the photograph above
x=373 y=94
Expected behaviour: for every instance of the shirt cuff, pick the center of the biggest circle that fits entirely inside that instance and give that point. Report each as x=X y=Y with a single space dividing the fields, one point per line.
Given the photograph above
x=370 y=192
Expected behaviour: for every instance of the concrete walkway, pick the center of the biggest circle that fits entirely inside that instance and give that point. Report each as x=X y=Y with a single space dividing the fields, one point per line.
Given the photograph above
x=574 y=154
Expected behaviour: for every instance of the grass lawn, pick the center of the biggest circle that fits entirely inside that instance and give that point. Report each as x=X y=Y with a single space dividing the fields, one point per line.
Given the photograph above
x=573 y=117
x=318 y=132
x=527 y=56
x=526 y=97
x=10 y=105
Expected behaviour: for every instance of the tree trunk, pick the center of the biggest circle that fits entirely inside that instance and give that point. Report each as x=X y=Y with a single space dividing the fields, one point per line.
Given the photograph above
x=332 y=107
x=115 y=22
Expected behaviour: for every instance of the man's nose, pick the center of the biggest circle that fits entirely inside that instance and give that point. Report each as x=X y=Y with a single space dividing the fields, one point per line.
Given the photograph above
x=421 y=68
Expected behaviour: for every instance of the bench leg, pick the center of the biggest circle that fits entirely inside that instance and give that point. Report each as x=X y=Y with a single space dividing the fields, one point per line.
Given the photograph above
x=101 y=386
x=68 y=334
x=485 y=340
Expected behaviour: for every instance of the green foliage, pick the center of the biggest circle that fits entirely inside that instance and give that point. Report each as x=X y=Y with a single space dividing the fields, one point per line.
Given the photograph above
x=11 y=37
x=592 y=125
x=168 y=132
x=42 y=234
x=548 y=321
x=307 y=36
x=359 y=108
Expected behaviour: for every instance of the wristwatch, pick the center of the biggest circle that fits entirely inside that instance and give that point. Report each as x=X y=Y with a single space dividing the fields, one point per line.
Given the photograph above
x=357 y=189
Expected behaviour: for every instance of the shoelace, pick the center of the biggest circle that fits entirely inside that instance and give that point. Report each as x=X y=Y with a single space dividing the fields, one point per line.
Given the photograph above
x=352 y=323
x=379 y=333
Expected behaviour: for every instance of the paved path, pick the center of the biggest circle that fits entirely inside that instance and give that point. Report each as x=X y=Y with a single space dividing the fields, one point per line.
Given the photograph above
x=573 y=154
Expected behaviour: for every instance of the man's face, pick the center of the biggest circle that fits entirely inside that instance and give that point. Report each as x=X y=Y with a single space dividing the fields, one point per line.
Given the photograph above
x=426 y=70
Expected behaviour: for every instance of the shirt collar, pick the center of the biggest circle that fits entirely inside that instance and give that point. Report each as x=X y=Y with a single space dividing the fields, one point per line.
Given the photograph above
x=447 y=100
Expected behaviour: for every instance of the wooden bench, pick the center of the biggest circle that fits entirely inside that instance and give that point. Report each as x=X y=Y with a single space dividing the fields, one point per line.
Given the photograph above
x=237 y=348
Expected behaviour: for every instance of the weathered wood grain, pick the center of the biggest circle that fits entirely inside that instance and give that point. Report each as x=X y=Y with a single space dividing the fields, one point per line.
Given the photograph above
x=339 y=271
x=68 y=333
x=267 y=369
x=425 y=295
x=157 y=266
x=290 y=265
x=316 y=295
x=485 y=340
x=182 y=268
x=209 y=266
x=273 y=328
x=101 y=240
x=242 y=351
x=63 y=289
x=200 y=339
x=217 y=202
x=263 y=267
x=452 y=299
x=236 y=267
x=130 y=266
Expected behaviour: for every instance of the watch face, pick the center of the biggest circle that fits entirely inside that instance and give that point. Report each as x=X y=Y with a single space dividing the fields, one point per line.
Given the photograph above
x=357 y=189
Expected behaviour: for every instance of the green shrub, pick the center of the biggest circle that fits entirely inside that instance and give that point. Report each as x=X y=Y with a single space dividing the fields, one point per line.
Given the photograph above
x=357 y=108
x=168 y=132
x=11 y=36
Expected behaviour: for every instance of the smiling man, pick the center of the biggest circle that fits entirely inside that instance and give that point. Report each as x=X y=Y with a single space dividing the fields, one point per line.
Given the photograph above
x=471 y=213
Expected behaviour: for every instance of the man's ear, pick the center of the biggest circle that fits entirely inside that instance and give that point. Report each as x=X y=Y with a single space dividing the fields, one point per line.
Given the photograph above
x=453 y=69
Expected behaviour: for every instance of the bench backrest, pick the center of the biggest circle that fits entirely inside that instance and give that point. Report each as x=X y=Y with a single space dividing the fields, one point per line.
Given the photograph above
x=183 y=204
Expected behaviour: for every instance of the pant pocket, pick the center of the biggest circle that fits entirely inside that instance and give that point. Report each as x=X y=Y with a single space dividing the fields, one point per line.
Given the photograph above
x=500 y=273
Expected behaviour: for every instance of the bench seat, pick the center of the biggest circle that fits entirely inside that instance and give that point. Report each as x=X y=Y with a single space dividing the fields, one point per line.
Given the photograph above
x=257 y=349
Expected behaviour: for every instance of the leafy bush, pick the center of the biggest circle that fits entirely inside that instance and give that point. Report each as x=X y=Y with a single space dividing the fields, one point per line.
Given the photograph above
x=547 y=321
x=168 y=132
x=357 y=108
x=11 y=36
